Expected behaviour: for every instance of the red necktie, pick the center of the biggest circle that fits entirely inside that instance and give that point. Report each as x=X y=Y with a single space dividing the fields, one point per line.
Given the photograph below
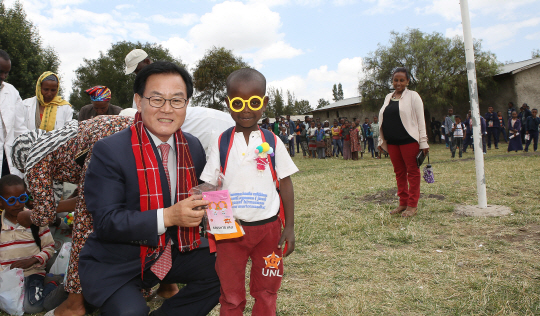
x=164 y=263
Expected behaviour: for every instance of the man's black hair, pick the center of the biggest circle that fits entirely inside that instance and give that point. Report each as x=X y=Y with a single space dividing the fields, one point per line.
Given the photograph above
x=534 y=110
x=4 y=55
x=9 y=181
x=162 y=67
x=402 y=69
x=246 y=75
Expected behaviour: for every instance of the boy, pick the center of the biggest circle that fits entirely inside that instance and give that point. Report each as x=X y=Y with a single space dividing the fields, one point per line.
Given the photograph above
x=263 y=239
x=375 y=131
x=19 y=248
x=458 y=134
x=502 y=129
x=532 y=130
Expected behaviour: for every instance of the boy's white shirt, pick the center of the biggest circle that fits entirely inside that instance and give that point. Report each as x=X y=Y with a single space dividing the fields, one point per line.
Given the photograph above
x=249 y=188
x=458 y=132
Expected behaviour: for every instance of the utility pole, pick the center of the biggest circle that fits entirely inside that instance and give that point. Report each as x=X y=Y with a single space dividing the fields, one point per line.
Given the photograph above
x=475 y=109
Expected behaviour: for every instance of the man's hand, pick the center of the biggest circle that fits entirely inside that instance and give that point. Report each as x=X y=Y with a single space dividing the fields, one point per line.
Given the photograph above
x=183 y=213
x=287 y=236
x=24 y=264
x=426 y=151
x=24 y=218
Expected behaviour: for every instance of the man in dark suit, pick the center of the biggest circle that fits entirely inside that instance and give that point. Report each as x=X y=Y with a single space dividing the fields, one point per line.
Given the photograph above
x=136 y=244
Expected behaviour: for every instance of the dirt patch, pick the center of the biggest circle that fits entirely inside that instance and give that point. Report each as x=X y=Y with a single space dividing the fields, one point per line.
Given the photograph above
x=390 y=196
x=531 y=232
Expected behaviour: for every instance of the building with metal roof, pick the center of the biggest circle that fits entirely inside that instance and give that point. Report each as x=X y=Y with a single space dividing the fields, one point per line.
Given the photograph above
x=518 y=83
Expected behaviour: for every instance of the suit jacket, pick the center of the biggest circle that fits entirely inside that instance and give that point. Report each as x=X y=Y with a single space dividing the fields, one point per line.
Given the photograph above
x=492 y=117
x=111 y=255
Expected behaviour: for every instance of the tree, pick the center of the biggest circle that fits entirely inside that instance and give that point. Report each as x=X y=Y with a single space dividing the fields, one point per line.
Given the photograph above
x=535 y=53
x=436 y=64
x=337 y=92
x=276 y=105
x=301 y=107
x=29 y=58
x=340 y=92
x=108 y=70
x=322 y=103
x=210 y=76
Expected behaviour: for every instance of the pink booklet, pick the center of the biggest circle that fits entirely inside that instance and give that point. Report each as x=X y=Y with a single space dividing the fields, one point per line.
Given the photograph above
x=219 y=211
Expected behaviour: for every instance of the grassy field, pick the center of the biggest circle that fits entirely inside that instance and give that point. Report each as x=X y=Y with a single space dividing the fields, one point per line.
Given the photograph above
x=353 y=258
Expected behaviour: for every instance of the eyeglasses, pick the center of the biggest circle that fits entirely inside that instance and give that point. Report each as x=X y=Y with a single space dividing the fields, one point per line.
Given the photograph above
x=238 y=104
x=23 y=198
x=157 y=102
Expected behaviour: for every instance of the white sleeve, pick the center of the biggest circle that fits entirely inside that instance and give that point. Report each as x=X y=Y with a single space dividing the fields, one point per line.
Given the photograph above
x=160 y=222
x=69 y=115
x=211 y=171
x=284 y=163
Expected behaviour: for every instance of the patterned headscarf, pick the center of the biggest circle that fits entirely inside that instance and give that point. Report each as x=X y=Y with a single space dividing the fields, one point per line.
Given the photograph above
x=21 y=147
x=99 y=93
x=49 y=115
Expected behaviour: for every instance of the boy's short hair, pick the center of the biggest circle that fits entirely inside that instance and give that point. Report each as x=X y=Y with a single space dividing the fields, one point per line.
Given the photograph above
x=457 y=116
x=9 y=181
x=4 y=55
x=246 y=74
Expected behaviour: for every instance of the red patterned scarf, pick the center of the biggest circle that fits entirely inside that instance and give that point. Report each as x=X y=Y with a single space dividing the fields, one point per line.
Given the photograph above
x=150 y=184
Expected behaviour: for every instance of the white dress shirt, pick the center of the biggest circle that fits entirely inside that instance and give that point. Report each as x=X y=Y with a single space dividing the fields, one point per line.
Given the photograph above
x=171 y=167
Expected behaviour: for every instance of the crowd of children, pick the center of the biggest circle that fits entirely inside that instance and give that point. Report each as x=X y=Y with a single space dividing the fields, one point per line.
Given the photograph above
x=521 y=129
x=321 y=140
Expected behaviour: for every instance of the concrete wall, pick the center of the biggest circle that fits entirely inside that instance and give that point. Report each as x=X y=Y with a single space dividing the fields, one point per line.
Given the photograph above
x=527 y=87
x=499 y=99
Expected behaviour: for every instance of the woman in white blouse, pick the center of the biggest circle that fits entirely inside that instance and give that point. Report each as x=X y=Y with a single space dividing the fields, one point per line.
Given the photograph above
x=403 y=135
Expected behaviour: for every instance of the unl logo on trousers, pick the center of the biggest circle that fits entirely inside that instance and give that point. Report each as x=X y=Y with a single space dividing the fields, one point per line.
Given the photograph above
x=272 y=265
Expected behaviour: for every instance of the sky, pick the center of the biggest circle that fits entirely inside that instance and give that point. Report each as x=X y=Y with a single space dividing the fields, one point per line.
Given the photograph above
x=302 y=46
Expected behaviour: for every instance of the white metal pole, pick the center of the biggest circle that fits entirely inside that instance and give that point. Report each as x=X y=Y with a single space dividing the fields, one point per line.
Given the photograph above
x=475 y=109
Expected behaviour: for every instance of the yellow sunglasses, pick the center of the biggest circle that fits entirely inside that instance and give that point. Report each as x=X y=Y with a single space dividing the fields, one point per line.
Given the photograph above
x=238 y=104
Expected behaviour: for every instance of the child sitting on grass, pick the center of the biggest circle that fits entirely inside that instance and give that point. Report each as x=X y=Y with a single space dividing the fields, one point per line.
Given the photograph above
x=19 y=248
x=260 y=217
x=459 y=134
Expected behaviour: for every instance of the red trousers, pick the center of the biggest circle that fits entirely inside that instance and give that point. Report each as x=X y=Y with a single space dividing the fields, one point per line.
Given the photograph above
x=403 y=158
x=260 y=244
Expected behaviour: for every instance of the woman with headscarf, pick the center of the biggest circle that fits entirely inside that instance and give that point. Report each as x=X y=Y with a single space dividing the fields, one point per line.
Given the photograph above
x=47 y=110
x=100 y=97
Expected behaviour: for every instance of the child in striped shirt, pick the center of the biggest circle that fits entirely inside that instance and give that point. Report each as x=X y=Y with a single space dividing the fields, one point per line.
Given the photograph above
x=19 y=248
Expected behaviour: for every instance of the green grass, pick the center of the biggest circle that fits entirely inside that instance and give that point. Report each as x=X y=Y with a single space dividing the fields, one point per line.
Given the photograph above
x=352 y=258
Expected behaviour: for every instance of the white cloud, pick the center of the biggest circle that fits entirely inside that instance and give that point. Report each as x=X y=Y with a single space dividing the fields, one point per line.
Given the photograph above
x=385 y=6
x=237 y=26
x=451 y=10
x=124 y=6
x=533 y=36
x=318 y=82
x=185 y=19
x=498 y=35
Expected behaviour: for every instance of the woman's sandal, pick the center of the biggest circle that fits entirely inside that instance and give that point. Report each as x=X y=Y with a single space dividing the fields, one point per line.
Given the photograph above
x=397 y=211
x=409 y=213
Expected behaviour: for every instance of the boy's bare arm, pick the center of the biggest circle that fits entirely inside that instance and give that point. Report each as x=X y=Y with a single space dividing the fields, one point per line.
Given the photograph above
x=287 y=195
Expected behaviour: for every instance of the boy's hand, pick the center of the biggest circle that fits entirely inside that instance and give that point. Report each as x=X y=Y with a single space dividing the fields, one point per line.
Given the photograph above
x=24 y=264
x=287 y=236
